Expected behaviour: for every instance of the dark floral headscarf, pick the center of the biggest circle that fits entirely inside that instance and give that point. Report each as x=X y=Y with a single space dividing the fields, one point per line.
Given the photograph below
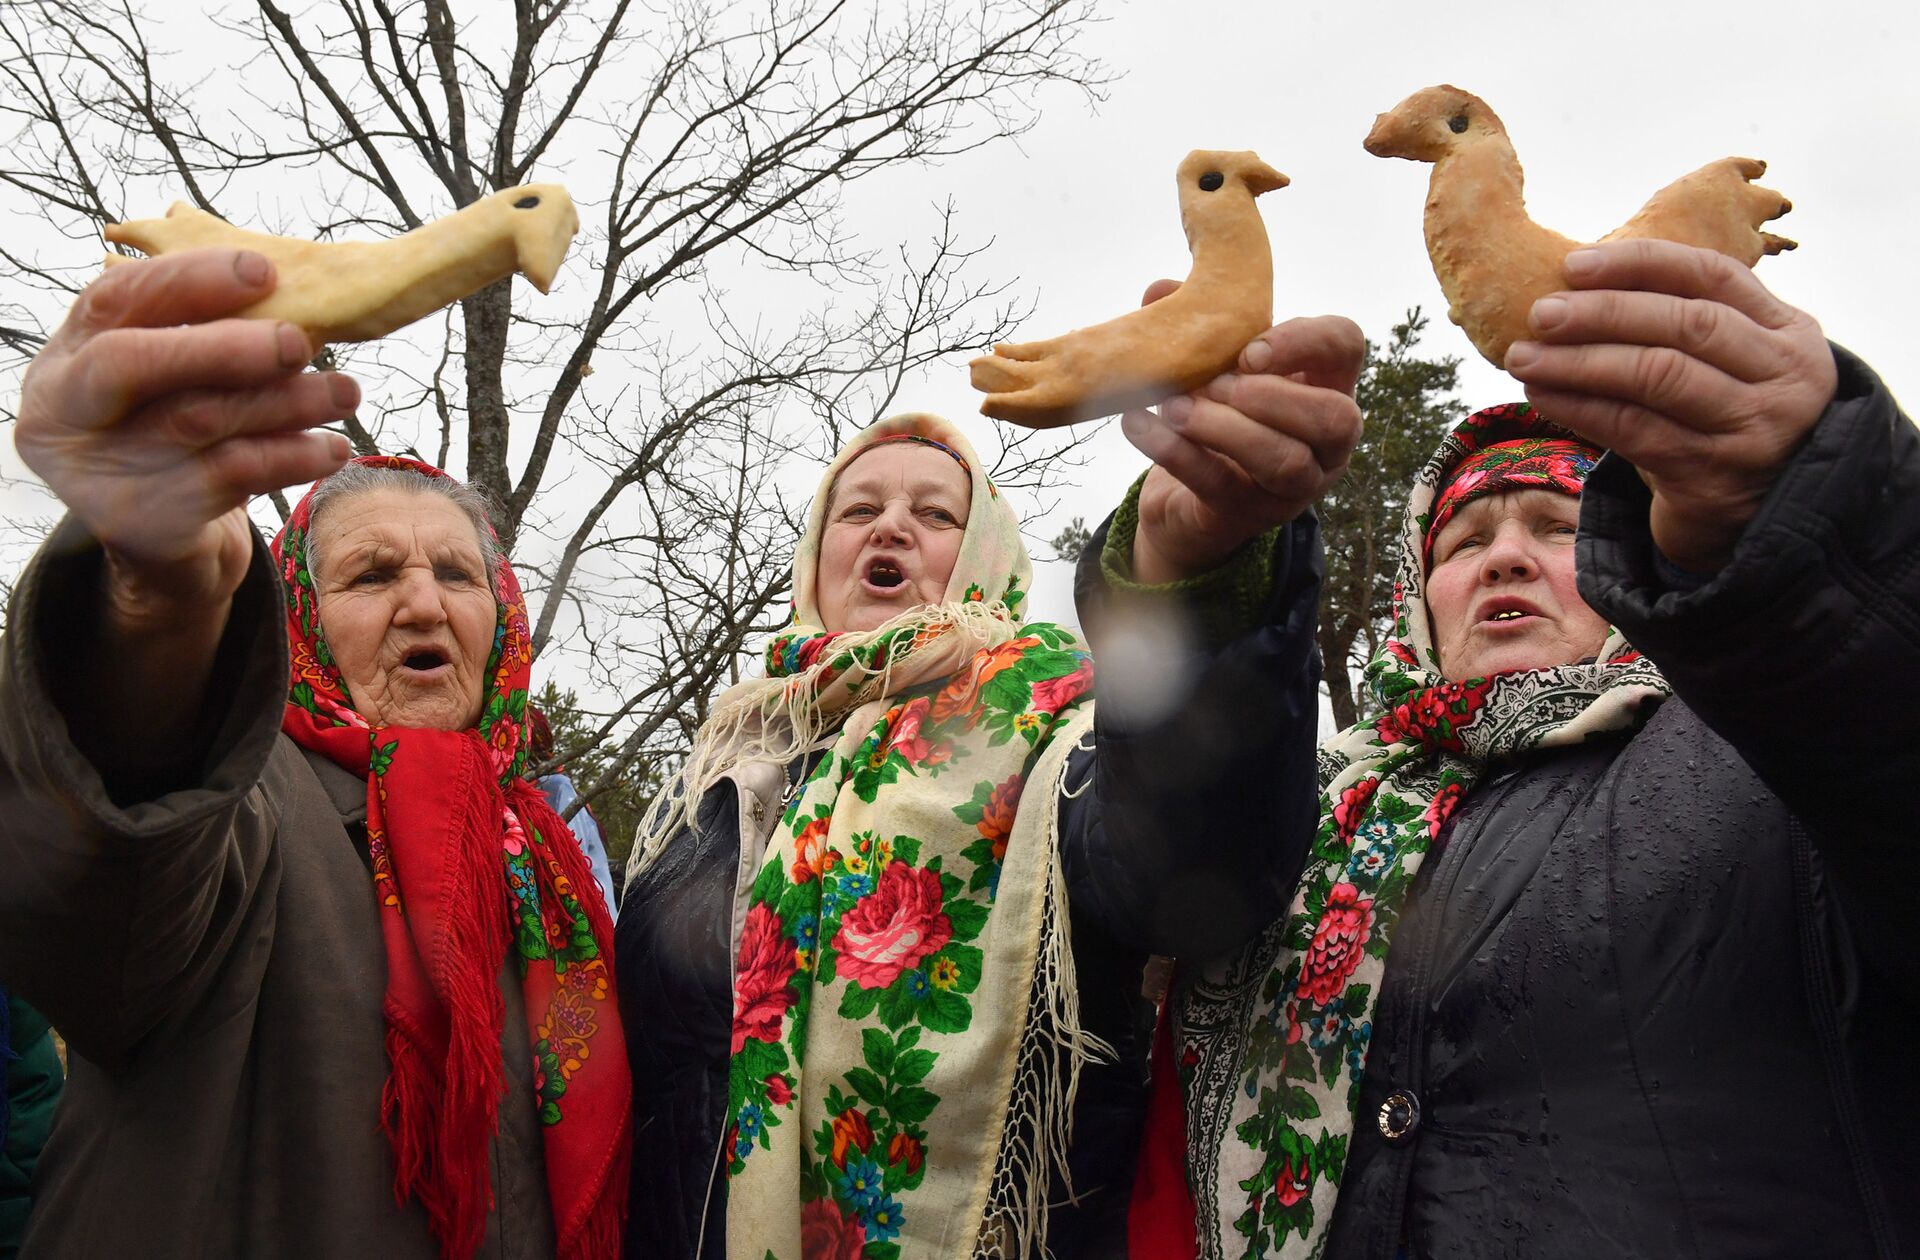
x=1273 y=1041
x=1533 y=463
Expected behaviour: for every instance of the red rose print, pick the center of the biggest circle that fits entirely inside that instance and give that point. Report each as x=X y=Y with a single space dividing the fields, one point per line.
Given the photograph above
x=963 y=693
x=892 y=928
x=1051 y=695
x=1291 y=1184
x=810 y=851
x=907 y=740
x=851 y=1129
x=909 y=1151
x=779 y=1090
x=1441 y=808
x=761 y=994
x=1435 y=717
x=997 y=816
x=825 y=1234
x=1337 y=943
x=1352 y=806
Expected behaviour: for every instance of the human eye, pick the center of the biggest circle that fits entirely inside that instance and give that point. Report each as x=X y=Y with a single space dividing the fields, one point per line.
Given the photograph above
x=368 y=577
x=457 y=574
x=857 y=512
x=942 y=515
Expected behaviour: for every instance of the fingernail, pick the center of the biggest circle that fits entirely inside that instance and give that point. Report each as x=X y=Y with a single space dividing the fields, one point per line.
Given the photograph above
x=291 y=345
x=1257 y=355
x=1522 y=355
x=345 y=391
x=1550 y=313
x=338 y=448
x=1582 y=262
x=1176 y=410
x=251 y=268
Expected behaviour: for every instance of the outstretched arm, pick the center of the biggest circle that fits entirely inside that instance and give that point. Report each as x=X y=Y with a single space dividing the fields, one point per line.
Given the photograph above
x=1756 y=532
x=154 y=419
x=1200 y=599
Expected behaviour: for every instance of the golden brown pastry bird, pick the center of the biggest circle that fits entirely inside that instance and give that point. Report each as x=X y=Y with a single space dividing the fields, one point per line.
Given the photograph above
x=359 y=290
x=1180 y=342
x=1493 y=262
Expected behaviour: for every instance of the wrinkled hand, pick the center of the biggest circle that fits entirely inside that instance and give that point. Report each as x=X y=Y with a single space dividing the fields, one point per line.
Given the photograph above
x=1249 y=450
x=1682 y=361
x=154 y=419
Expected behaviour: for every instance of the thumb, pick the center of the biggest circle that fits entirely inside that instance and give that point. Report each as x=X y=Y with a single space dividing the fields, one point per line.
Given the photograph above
x=1157 y=290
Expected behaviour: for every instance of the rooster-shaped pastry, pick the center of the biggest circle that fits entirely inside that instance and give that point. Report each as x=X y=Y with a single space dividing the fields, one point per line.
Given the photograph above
x=1180 y=342
x=359 y=290
x=1493 y=262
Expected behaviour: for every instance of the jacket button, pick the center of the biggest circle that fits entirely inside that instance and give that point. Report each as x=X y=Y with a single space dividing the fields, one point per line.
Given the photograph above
x=1399 y=1117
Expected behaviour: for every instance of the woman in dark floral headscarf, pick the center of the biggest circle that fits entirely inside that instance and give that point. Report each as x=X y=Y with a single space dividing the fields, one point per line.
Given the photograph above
x=1567 y=914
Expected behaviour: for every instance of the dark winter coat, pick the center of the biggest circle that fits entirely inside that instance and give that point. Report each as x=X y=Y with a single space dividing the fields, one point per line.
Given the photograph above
x=1164 y=853
x=1657 y=996
x=211 y=950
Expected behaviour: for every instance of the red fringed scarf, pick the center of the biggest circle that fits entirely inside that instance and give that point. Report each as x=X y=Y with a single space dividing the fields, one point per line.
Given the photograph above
x=467 y=856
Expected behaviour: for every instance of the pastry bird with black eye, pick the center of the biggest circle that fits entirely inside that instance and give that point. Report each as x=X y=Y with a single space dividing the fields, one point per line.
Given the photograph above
x=360 y=290
x=1493 y=261
x=1178 y=343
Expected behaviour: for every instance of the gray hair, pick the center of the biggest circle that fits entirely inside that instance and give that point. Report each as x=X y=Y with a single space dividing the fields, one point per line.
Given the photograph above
x=358 y=479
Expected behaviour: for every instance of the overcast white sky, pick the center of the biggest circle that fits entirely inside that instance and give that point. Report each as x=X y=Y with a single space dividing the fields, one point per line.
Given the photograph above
x=1605 y=104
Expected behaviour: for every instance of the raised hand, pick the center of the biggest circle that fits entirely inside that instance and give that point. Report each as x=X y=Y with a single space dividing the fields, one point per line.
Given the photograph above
x=154 y=420
x=1251 y=449
x=1682 y=361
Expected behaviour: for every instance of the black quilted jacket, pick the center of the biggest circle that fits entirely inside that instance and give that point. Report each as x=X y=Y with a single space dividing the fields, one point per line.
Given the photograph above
x=1658 y=996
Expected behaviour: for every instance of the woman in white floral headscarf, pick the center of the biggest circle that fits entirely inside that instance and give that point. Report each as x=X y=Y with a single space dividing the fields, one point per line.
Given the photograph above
x=870 y=1024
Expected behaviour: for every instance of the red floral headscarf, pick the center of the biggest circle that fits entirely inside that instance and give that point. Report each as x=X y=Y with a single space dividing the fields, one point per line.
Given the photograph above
x=1528 y=463
x=468 y=856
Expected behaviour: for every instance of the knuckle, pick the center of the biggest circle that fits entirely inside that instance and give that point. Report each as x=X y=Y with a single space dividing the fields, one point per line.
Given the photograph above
x=195 y=419
x=1660 y=375
x=1289 y=472
x=1697 y=323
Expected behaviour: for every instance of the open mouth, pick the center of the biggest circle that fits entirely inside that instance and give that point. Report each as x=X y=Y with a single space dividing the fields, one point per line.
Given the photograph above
x=424 y=660
x=885 y=574
x=1508 y=614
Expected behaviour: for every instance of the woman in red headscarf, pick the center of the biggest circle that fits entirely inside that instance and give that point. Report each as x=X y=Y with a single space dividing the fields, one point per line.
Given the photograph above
x=334 y=976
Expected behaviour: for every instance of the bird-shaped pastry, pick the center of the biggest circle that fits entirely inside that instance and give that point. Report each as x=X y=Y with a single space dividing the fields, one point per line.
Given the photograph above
x=359 y=290
x=1493 y=262
x=1178 y=343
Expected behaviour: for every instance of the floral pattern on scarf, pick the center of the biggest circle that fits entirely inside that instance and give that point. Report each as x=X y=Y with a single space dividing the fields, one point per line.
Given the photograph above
x=468 y=860
x=863 y=1116
x=1274 y=1038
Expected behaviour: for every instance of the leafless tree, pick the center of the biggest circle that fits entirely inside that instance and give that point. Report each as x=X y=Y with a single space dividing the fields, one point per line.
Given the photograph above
x=631 y=428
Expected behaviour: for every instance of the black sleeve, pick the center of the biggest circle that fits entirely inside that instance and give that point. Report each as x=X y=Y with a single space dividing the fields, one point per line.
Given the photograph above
x=1801 y=652
x=1194 y=812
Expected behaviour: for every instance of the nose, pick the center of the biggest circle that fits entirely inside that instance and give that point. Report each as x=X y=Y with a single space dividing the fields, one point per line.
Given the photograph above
x=420 y=602
x=891 y=525
x=1509 y=554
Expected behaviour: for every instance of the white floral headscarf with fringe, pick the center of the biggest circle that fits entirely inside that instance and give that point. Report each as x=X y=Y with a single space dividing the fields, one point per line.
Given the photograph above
x=1272 y=1040
x=905 y=1041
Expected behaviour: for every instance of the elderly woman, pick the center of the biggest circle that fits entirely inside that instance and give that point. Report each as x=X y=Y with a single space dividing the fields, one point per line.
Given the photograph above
x=332 y=973
x=1600 y=947
x=872 y=950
